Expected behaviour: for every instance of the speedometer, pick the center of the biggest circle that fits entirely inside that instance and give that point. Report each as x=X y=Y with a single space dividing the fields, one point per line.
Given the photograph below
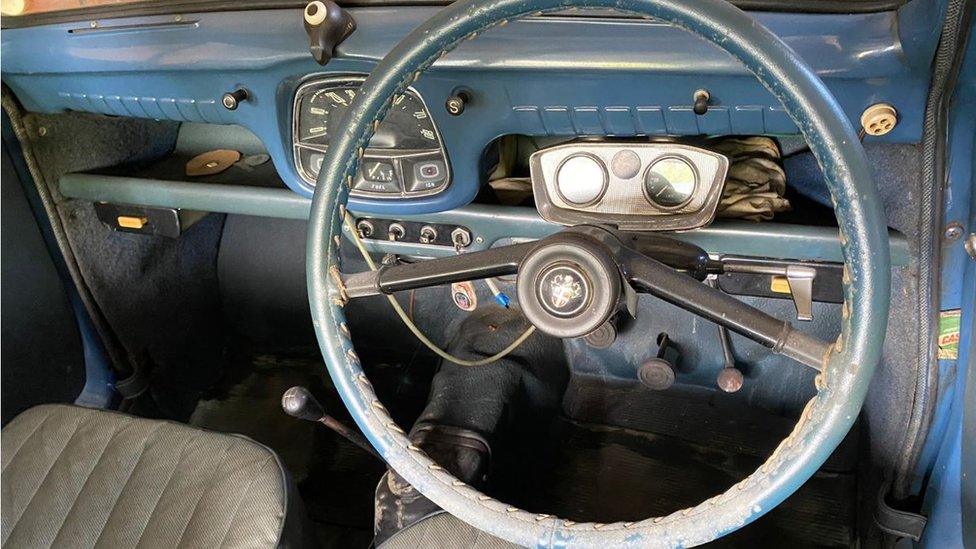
x=405 y=156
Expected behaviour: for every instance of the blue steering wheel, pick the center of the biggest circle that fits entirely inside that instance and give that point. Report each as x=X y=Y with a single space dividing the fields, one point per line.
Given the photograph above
x=847 y=364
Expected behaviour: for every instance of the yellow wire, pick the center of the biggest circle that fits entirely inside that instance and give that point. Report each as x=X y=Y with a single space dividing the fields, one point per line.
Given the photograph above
x=413 y=327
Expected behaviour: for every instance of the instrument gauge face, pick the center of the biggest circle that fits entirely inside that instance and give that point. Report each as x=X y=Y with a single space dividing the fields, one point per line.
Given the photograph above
x=581 y=179
x=407 y=125
x=670 y=182
x=405 y=156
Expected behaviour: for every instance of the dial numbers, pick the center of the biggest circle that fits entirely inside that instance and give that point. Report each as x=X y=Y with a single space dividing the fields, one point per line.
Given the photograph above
x=670 y=182
x=405 y=141
x=407 y=125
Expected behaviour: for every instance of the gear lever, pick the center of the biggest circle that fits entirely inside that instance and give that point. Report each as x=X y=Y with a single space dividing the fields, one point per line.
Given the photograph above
x=298 y=402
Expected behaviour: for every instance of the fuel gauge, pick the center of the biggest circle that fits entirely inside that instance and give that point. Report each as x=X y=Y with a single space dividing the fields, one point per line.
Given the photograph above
x=374 y=170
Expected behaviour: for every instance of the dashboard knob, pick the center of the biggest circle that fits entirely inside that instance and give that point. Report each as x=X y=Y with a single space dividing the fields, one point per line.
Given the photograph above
x=455 y=104
x=231 y=100
x=581 y=180
x=701 y=98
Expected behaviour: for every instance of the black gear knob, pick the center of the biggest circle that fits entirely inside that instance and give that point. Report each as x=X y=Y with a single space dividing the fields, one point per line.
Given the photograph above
x=299 y=402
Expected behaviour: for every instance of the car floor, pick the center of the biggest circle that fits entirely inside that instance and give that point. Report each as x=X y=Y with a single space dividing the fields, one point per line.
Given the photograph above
x=618 y=451
x=335 y=478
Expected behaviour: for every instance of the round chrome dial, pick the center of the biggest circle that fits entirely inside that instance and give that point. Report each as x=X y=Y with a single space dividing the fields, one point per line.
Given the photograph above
x=581 y=180
x=670 y=182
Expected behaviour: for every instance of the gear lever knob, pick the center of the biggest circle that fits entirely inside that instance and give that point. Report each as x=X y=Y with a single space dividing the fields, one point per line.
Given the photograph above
x=299 y=402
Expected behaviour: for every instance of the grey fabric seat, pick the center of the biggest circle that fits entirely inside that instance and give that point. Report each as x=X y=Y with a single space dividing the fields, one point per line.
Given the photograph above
x=75 y=477
x=444 y=531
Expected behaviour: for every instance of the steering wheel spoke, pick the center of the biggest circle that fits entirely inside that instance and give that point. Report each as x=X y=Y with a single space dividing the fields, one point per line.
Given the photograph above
x=387 y=279
x=653 y=264
x=650 y=276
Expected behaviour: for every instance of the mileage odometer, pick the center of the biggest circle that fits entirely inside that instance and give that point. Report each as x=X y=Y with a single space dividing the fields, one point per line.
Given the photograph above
x=405 y=156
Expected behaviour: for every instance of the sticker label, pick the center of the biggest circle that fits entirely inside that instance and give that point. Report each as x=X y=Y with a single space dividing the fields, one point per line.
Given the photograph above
x=464 y=295
x=949 y=334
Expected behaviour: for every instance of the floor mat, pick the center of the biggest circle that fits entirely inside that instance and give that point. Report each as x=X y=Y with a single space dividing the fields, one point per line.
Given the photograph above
x=630 y=453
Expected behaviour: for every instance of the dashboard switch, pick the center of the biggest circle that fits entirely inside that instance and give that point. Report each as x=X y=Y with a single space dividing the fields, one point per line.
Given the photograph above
x=428 y=234
x=365 y=228
x=461 y=238
x=396 y=232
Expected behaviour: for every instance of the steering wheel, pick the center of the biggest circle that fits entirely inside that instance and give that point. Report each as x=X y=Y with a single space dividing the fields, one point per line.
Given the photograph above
x=607 y=263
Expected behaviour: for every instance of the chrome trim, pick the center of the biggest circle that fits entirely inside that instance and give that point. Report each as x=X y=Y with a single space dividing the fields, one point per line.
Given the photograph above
x=322 y=83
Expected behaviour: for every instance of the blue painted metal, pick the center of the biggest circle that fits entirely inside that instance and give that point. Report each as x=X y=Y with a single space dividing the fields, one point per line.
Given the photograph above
x=941 y=464
x=540 y=76
x=770 y=381
x=99 y=389
x=489 y=225
x=849 y=365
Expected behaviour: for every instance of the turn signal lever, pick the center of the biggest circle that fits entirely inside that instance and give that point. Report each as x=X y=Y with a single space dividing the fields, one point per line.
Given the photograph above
x=298 y=402
x=327 y=26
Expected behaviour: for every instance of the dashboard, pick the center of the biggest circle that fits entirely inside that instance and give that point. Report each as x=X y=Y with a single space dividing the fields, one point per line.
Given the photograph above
x=405 y=157
x=554 y=77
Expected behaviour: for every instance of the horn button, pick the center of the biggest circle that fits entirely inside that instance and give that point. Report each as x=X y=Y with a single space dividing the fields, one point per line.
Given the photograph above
x=570 y=287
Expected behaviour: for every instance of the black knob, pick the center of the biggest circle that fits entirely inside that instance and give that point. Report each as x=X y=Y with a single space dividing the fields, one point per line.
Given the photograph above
x=327 y=26
x=701 y=98
x=231 y=100
x=455 y=103
x=299 y=402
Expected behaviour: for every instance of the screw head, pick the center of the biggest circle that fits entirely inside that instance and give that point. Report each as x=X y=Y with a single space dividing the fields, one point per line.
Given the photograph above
x=953 y=231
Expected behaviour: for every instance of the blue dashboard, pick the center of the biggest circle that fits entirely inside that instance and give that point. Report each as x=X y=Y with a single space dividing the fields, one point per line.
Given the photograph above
x=564 y=75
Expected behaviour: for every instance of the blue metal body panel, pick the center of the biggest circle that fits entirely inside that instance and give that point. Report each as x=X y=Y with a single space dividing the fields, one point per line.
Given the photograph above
x=942 y=463
x=564 y=76
x=99 y=389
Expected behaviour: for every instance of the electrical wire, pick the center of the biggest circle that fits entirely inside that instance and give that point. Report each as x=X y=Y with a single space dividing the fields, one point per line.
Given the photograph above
x=413 y=327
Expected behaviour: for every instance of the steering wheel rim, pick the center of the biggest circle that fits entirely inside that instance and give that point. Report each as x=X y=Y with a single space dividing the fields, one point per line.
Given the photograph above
x=849 y=366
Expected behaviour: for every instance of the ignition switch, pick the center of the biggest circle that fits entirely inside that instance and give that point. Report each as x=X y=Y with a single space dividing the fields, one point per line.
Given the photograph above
x=461 y=238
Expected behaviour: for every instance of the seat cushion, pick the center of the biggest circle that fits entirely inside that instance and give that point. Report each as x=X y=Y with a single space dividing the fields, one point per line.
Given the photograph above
x=443 y=530
x=85 y=478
